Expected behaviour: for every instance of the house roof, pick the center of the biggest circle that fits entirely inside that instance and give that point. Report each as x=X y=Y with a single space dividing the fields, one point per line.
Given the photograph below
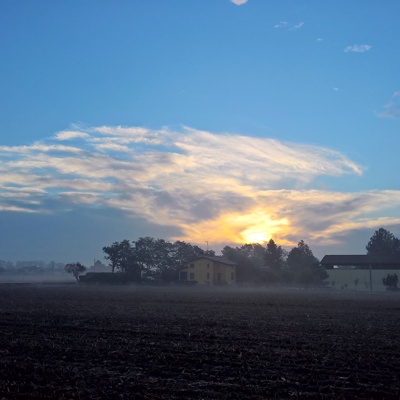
x=364 y=259
x=219 y=259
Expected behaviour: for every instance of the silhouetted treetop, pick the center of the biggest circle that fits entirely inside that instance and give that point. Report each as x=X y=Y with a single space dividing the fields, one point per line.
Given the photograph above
x=383 y=243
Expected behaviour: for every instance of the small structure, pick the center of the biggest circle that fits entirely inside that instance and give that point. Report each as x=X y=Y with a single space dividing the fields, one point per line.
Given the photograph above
x=98 y=266
x=209 y=270
x=363 y=272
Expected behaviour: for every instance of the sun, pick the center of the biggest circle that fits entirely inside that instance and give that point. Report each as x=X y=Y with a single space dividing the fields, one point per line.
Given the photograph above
x=254 y=226
x=259 y=227
x=255 y=235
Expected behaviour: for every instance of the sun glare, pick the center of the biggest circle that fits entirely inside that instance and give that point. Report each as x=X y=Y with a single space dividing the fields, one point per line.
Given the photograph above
x=256 y=226
x=255 y=236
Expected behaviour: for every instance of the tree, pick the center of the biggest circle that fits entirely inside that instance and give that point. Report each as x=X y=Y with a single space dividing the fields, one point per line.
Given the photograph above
x=165 y=258
x=120 y=255
x=154 y=255
x=274 y=256
x=255 y=253
x=301 y=257
x=274 y=259
x=181 y=254
x=148 y=254
x=126 y=261
x=305 y=267
x=112 y=254
x=157 y=256
x=249 y=258
x=124 y=258
x=75 y=269
x=391 y=281
x=383 y=243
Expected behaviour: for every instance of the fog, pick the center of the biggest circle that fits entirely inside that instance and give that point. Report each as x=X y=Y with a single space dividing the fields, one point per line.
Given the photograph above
x=42 y=278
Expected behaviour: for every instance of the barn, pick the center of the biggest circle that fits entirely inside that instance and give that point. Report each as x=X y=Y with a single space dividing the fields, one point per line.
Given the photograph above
x=360 y=272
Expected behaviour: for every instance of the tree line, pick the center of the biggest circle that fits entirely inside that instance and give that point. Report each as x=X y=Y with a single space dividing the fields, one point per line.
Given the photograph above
x=255 y=263
x=152 y=255
x=272 y=264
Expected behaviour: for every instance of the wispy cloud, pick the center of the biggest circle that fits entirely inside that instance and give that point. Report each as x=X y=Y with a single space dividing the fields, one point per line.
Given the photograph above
x=239 y=2
x=226 y=187
x=298 y=26
x=68 y=135
x=392 y=108
x=289 y=26
x=282 y=24
x=357 y=48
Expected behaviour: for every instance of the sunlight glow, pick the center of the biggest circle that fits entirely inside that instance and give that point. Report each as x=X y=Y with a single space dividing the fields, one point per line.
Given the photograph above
x=255 y=236
x=260 y=227
x=254 y=227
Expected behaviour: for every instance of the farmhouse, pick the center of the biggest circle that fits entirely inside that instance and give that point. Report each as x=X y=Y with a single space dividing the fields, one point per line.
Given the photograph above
x=360 y=272
x=208 y=270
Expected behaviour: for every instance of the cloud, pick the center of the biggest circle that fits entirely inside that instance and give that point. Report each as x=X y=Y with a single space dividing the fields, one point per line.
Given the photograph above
x=289 y=26
x=239 y=2
x=282 y=24
x=357 y=48
x=224 y=188
x=68 y=135
x=298 y=26
x=392 y=108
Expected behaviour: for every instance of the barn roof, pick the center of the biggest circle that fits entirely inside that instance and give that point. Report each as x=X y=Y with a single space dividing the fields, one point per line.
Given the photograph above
x=364 y=259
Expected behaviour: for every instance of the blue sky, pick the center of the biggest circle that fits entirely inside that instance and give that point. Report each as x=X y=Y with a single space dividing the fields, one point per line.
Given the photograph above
x=200 y=120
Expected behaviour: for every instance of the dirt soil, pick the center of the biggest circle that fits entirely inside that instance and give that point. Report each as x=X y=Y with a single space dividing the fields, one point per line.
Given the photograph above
x=82 y=342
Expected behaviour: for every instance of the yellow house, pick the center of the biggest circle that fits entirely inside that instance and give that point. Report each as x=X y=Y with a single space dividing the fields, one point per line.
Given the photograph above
x=208 y=270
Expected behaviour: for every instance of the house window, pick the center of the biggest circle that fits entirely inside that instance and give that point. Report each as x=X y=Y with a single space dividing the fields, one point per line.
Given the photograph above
x=208 y=265
x=191 y=276
x=208 y=275
x=183 y=276
x=191 y=265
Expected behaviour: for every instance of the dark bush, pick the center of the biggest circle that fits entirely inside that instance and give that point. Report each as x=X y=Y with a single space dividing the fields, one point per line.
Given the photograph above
x=391 y=282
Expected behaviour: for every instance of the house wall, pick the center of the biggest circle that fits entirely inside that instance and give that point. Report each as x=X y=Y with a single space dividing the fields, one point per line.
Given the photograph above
x=344 y=279
x=228 y=274
x=203 y=271
x=206 y=272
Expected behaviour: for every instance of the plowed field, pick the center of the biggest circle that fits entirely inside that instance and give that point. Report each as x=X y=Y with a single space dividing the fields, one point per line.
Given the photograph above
x=79 y=342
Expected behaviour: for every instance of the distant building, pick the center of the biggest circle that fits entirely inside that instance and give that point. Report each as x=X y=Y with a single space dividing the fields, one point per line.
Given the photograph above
x=360 y=272
x=208 y=270
x=98 y=266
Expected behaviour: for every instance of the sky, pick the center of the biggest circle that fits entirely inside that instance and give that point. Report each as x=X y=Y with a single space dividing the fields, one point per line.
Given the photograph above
x=216 y=122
